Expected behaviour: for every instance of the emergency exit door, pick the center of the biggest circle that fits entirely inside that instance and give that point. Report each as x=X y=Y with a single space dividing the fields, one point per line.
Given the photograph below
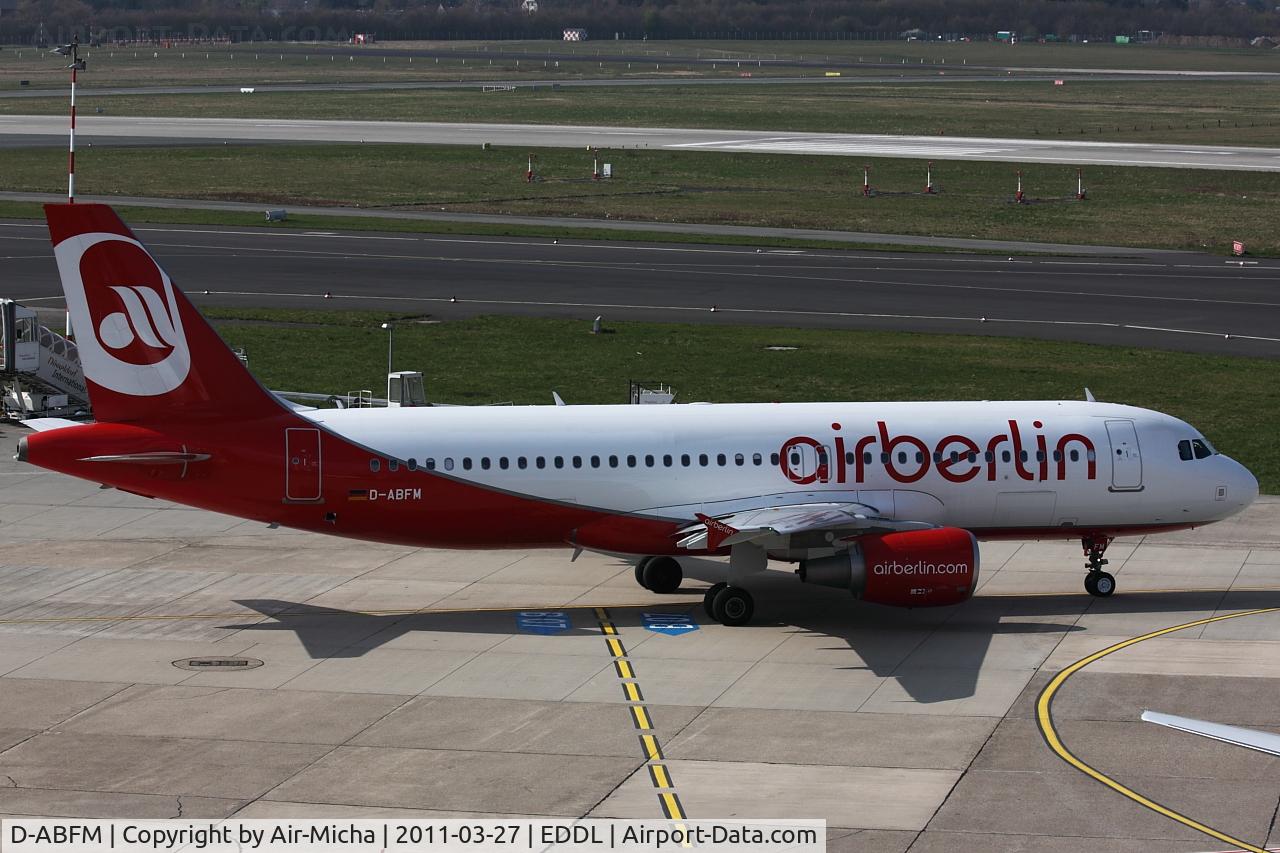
x=1126 y=456
x=302 y=464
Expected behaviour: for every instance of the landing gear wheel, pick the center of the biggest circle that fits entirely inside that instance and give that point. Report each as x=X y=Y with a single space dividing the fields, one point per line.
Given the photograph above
x=1100 y=584
x=662 y=575
x=708 y=600
x=733 y=606
x=640 y=570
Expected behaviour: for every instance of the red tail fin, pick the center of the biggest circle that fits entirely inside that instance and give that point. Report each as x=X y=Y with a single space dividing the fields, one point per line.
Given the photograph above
x=147 y=353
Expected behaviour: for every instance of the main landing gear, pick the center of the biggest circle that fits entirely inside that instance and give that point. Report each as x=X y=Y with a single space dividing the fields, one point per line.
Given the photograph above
x=662 y=575
x=727 y=603
x=1097 y=583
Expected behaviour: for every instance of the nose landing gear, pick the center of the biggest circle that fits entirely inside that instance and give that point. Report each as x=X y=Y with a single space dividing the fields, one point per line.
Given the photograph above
x=1097 y=583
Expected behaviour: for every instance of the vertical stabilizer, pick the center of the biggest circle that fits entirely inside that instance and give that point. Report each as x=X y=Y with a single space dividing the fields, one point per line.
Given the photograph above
x=147 y=353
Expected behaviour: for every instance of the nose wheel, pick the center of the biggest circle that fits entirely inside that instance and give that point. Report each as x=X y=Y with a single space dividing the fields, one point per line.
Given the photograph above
x=1097 y=582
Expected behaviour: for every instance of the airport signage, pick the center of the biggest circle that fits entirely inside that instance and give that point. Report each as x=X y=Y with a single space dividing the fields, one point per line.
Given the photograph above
x=672 y=624
x=542 y=621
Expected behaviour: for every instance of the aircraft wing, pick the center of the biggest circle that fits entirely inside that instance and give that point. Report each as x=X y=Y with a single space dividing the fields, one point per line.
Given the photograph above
x=822 y=522
x=1248 y=738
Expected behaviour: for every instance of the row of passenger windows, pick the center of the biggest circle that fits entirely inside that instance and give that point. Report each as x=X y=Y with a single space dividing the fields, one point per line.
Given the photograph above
x=702 y=460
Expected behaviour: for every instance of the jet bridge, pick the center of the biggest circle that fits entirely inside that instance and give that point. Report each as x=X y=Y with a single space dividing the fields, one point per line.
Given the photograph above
x=40 y=372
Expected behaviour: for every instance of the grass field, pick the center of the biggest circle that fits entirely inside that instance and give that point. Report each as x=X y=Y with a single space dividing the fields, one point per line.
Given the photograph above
x=1198 y=111
x=1163 y=208
x=1235 y=401
x=264 y=62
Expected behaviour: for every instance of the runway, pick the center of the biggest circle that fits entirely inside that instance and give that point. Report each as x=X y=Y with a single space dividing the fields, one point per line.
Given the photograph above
x=1185 y=302
x=92 y=128
x=411 y=683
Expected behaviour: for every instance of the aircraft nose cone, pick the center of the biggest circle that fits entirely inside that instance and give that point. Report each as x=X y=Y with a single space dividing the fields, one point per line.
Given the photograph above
x=1247 y=488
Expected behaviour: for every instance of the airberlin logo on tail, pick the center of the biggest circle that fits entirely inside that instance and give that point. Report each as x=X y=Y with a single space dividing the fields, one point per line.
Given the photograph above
x=125 y=314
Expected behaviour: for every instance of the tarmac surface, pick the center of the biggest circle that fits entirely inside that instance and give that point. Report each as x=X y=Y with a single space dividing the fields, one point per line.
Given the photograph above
x=414 y=682
x=94 y=129
x=1179 y=301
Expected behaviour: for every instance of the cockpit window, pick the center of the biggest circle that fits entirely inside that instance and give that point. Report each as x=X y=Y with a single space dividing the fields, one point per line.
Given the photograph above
x=1202 y=448
x=1184 y=450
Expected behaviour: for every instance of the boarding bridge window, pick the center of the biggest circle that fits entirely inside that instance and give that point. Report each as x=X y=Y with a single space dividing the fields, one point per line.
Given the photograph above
x=375 y=465
x=1201 y=448
x=24 y=330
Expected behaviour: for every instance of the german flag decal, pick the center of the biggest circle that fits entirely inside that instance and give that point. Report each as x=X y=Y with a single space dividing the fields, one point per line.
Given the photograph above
x=358 y=495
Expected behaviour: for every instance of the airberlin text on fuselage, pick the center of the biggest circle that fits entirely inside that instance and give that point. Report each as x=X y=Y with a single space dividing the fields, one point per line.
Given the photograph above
x=958 y=458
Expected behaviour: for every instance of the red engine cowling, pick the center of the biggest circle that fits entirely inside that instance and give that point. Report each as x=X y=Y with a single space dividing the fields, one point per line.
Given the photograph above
x=916 y=568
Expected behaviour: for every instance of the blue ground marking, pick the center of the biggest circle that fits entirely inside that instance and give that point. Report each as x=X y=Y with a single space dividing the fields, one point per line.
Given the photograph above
x=542 y=621
x=672 y=624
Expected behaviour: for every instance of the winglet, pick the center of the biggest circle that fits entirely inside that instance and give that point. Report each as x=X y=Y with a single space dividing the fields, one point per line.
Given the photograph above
x=1088 y=396
x=717 y=531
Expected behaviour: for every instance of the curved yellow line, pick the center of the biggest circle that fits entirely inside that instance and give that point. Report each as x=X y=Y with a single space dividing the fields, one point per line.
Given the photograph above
x=1044 y=718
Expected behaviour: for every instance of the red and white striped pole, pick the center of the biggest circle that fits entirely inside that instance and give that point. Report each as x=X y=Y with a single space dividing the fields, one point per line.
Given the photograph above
x=928 y=179
x=1018 y=197
x=1079 y=184
x=866 y=180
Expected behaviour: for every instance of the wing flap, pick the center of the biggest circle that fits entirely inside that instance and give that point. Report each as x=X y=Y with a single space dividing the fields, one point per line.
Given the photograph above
x=833 y=521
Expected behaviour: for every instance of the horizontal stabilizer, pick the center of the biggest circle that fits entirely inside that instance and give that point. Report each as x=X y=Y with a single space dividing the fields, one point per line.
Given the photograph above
x=1248 y=738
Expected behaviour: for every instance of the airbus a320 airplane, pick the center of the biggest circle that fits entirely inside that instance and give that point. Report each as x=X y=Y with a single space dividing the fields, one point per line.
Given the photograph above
x=886 y=500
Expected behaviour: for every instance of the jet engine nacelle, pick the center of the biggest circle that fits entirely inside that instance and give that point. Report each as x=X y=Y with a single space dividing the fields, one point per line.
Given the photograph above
x=916 y=568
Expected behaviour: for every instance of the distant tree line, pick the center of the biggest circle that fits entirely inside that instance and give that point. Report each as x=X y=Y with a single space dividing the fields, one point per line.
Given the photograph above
x=330 y=20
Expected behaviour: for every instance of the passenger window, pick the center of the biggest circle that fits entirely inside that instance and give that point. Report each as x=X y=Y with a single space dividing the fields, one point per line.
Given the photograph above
x=1005 y=456
x=648 y=460
x=375 y=465
x=822 y=457
x=631 y=461
x=502 y=463
x=795 y=460
x=902 y=456
x=1091 y=455
x=919 y=456
x=667 y=460
x=884 y=458
x=484 y=462
x=523 y=463
x=703 y=459
x=559 y=461
x=1022 y=454
x=431 y=464
x=412 y=464
x=466 y=463
x=720 y=459
x=739 y=459
x=773 y=459
x=757 y=459
x=1075 y=455
x=540 y=462
x=937 y=457
x=577 y=462
x=973 y=456
x=1184 y=450
x=989 y=456
x=866 y=457
x=613 y=462
x=595 y=461
x=684 y=459
x=448 y=463
x=955 y=456
x=1057 y=456
x=393 y=465
x=1039 y=455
